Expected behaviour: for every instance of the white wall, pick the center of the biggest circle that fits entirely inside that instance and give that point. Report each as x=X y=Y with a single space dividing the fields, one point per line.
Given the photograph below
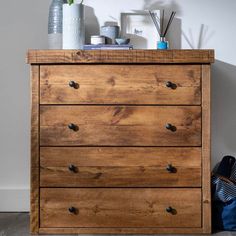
x=23 y=25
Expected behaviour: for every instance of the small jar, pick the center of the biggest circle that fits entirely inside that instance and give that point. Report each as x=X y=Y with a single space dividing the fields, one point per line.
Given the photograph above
x=97 y=39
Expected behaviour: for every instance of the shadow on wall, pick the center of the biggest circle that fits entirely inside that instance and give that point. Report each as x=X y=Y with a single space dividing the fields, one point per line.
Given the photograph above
x=92 y=26
x=154 y=4
x=204 y=36
x=223 y=110
x=174 y=35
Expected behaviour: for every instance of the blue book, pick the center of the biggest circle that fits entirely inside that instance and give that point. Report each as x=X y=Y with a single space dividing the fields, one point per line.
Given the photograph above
x=108 y=47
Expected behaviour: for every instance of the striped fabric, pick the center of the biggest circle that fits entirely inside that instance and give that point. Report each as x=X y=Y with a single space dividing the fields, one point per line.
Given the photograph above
x=224 y=191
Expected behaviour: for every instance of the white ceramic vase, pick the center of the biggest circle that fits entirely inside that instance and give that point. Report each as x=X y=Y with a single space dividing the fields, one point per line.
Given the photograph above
x=73 y=26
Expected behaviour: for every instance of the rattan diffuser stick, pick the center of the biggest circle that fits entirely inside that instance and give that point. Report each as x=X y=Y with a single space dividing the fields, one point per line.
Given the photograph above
x=155 y=21
x=169 y=23
x=159 y=23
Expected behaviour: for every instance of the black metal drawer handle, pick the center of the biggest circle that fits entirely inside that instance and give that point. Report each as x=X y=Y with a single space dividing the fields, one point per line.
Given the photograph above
x=73 y=127
x=171 y=169
x=171 y=127
x=72 y=210
x=171 y=85
x=72 y=168
x=73 y=84
x=171 y=210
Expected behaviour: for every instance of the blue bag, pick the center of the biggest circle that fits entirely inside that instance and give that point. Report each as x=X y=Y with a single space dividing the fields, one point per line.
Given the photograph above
x=224 y=215
x=224 y=194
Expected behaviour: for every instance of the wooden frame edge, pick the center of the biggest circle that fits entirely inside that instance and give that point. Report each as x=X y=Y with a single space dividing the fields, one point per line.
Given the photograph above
x=34 y=175
x=135 y=56
x=206 y=149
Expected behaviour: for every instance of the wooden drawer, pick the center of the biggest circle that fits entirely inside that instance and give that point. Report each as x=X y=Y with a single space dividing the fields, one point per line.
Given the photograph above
x=120 y=84
x=120 y=126
x=120 y=167
x=116 y=207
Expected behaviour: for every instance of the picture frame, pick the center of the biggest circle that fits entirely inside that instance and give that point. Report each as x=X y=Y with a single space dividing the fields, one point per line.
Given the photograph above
x=139 y=27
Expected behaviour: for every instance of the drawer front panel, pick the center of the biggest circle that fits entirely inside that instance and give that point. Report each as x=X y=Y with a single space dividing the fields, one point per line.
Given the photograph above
x=120 y=167
x=116 y=207
x=120 y=126
x=120 y=84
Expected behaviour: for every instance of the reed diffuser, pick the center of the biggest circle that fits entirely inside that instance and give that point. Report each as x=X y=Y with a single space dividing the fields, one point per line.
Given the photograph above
x=161 y=28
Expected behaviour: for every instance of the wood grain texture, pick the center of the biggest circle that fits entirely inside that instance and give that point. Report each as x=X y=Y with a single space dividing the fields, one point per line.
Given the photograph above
x=120 y=126
x=121 y=84
x=120 y=167
x=119 y=56
x=121 y=148
x=131 y=231
x=206 y=147
x=116 y=207
x=34 y=189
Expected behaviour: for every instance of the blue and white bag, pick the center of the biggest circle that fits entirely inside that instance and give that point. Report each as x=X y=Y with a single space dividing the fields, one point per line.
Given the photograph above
x=224 y=194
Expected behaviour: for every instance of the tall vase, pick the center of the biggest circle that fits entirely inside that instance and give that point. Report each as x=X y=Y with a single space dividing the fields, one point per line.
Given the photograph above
x=55 y=24
x=73 y=26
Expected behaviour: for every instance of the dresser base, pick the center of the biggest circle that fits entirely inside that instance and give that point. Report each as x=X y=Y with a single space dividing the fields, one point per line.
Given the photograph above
x=123 y=231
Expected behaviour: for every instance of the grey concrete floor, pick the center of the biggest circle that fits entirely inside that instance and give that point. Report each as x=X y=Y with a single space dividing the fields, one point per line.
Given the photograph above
x=17 y=224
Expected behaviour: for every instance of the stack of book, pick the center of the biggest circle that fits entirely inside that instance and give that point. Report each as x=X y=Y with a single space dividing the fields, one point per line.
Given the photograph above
x=108 y=47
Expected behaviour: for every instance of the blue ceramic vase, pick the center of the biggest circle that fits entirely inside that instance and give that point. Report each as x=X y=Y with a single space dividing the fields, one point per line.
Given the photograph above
x=55 y=19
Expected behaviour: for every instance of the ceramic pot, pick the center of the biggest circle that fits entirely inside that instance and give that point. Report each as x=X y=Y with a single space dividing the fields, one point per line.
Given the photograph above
x=111 y=33
x=73 y=26
x=55 y=25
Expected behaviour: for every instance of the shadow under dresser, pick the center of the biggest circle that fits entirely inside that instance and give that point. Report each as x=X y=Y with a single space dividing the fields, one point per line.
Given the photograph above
x=120 y=141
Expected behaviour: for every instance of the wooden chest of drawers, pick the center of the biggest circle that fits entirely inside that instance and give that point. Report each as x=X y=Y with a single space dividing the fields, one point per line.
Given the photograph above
x=120 y=141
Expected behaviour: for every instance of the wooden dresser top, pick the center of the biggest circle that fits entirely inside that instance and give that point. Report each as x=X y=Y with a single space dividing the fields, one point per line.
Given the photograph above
x=121 y=56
